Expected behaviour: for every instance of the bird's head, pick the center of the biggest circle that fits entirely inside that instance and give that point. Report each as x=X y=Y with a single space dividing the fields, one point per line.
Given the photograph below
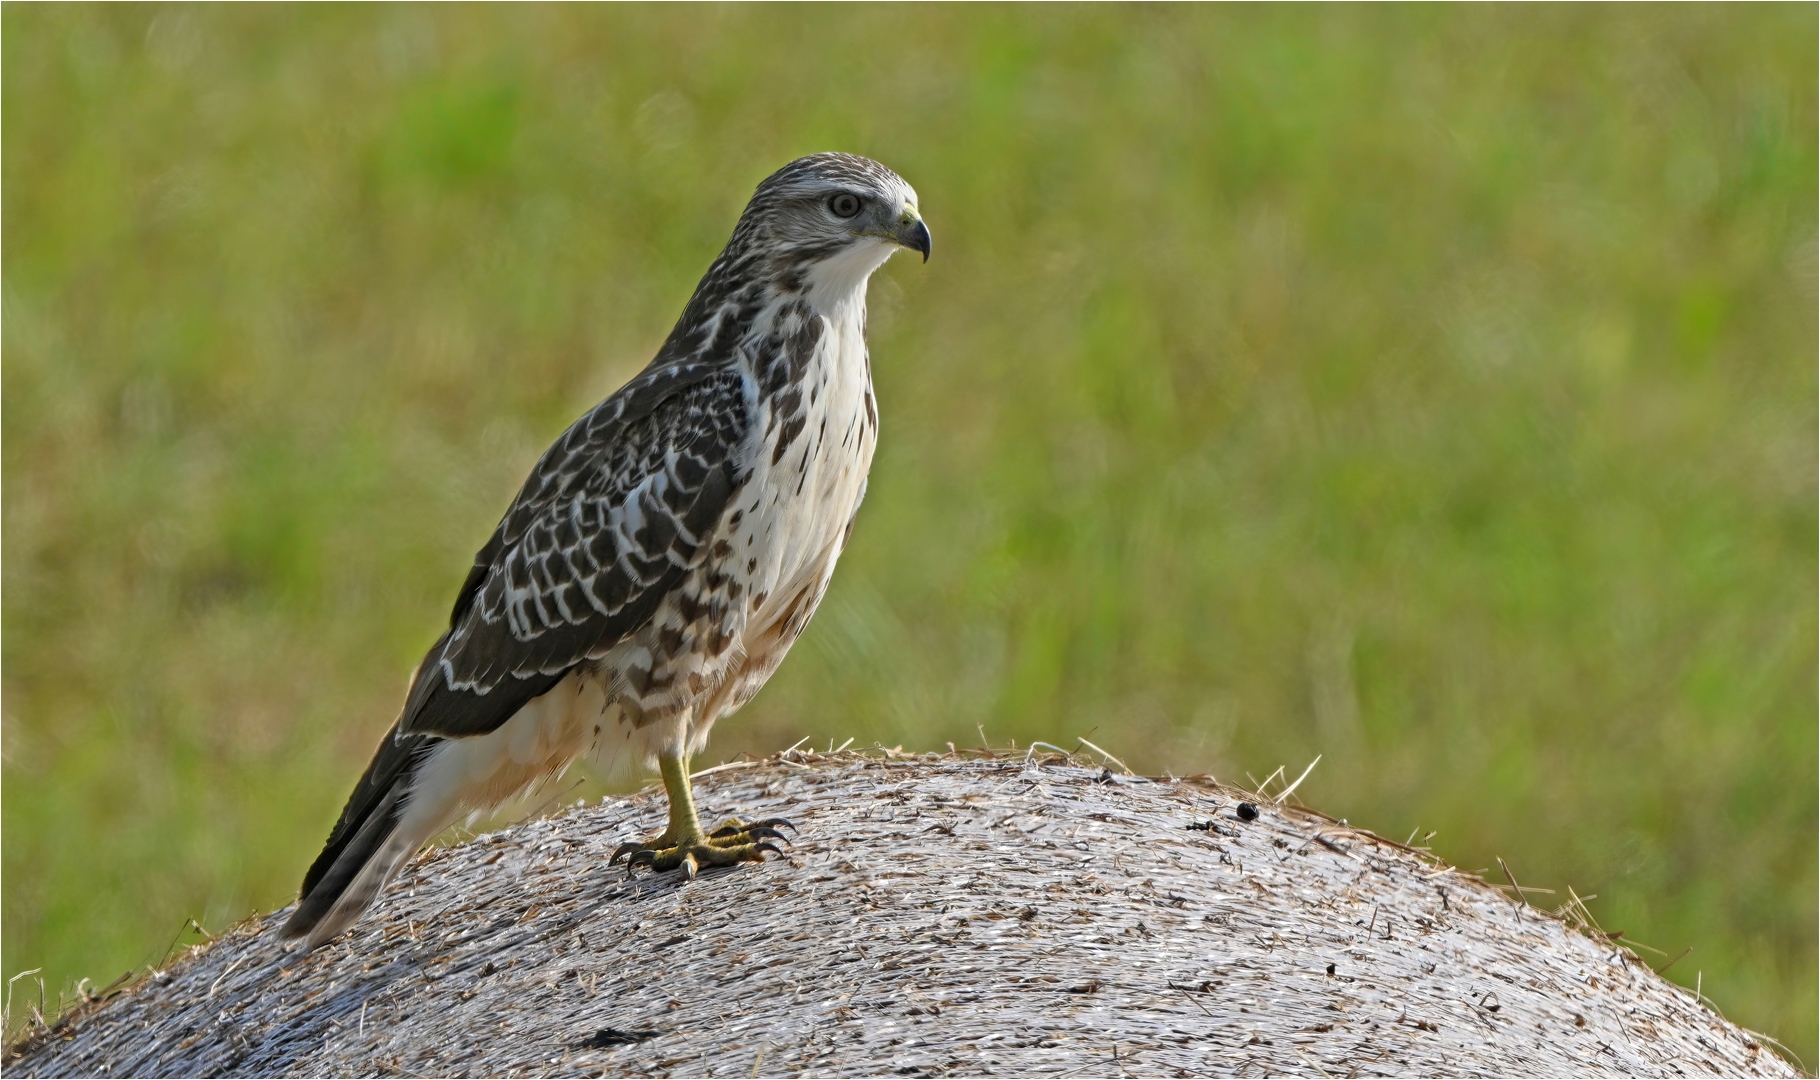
x=836 y=217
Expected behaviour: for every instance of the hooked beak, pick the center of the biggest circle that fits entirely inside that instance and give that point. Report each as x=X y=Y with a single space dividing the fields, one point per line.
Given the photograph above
x=914 y=235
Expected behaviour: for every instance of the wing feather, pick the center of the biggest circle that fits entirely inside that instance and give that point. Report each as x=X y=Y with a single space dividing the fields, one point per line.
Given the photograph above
x=610 y=521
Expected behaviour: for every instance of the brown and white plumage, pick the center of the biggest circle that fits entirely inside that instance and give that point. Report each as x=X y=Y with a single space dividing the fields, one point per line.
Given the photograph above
x=667 y=550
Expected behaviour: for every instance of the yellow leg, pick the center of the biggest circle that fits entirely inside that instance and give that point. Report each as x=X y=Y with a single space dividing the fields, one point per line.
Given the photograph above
x=684 y=845
x=684 y=826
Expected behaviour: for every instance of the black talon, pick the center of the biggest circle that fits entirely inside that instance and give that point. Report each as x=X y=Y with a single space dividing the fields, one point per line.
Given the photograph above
x=773 y=822
x=772 y=848
x=642 y=857
x=760 y=832
x=628 y=848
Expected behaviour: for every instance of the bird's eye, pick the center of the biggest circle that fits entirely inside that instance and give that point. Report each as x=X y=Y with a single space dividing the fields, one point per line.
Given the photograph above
x=844 y=205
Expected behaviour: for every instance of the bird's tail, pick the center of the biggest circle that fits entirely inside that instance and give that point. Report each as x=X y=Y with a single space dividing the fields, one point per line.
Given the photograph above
x=373 y=838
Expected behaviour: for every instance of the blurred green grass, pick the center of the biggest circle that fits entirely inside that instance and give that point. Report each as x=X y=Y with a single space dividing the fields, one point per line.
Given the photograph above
x=1430 y=388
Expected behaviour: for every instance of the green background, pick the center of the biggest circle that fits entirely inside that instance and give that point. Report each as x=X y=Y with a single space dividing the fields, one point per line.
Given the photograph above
x=1432 y=389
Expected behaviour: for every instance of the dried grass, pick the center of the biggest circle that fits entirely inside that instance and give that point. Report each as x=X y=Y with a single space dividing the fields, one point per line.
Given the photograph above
x=970 y=913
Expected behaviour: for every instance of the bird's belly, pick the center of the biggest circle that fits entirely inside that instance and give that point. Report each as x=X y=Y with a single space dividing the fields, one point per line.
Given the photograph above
x=802 y=508
x=787 y=528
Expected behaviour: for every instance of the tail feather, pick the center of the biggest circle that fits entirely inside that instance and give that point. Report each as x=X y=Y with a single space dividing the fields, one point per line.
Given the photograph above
x=366 y=845
x=419 y=784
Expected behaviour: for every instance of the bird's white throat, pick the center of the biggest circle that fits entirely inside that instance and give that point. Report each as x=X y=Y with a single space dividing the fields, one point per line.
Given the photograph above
x=837 y=285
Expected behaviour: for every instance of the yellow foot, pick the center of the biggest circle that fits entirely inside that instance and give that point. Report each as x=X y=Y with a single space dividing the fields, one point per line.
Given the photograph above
x=734 y=842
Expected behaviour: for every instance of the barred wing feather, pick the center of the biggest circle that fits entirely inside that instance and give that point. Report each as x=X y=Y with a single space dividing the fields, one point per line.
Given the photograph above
x=614 y=516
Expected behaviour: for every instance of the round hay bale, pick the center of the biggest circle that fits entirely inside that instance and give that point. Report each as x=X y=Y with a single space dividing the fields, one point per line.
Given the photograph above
x=993 y=915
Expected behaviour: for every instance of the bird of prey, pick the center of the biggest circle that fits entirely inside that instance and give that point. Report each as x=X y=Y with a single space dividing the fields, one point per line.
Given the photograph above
x=663 y=555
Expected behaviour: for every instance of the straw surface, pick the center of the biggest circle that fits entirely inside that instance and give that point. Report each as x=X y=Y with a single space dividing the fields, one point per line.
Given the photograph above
x=936 y=916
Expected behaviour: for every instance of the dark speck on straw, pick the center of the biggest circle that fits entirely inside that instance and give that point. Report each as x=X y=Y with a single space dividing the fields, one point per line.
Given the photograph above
x=607 y=1037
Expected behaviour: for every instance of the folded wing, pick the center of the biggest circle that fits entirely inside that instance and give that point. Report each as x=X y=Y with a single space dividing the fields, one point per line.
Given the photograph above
x=610 y=521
